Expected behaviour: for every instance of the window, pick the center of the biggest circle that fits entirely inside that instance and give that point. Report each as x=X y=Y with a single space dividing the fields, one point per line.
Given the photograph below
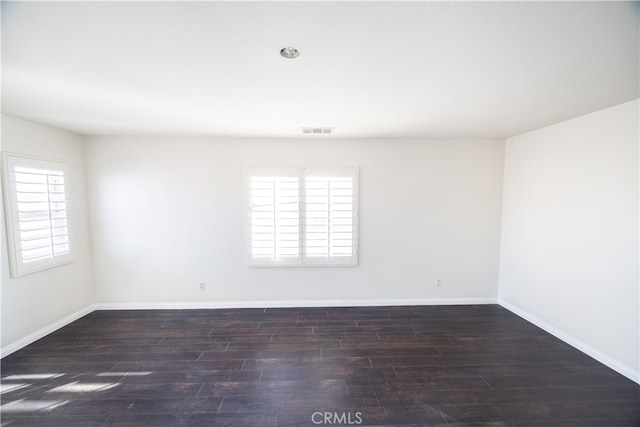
x=37 y=214
x=303 y=217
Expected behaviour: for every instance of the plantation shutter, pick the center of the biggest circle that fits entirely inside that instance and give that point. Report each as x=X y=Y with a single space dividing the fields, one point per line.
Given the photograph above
x=38 y=214
x=330 y=219
x=274 y=217
x=302 y=217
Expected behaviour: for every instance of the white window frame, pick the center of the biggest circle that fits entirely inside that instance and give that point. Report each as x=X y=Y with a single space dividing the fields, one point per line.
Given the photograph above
x=341 y=244
x=17 y=238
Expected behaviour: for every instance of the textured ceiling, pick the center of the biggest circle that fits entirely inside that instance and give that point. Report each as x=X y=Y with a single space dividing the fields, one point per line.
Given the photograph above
x=367 y=69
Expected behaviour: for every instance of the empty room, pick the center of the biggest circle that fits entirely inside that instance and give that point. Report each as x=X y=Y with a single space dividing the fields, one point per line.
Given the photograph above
x=320 y=213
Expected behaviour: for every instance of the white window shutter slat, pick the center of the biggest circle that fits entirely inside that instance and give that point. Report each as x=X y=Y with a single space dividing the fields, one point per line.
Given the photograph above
x=302 y=216
x=274 y=217
x=331 y=216
x=36 y=204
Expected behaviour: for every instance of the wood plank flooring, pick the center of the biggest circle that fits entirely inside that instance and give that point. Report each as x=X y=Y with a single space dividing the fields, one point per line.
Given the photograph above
x=392 y=366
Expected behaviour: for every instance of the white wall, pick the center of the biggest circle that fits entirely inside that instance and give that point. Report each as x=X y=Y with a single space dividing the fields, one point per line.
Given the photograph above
x=31 y=304
x=168 y=213
x=569 y=251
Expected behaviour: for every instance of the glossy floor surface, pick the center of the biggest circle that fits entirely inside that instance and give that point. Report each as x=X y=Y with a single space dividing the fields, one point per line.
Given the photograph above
x=392 y=366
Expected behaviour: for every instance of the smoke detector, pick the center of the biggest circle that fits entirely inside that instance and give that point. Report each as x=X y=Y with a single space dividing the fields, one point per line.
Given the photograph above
x=289 y=52
x=317 y=130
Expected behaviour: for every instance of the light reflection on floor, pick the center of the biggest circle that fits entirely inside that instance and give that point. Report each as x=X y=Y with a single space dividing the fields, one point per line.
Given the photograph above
x=14 y=383
x=24 y=405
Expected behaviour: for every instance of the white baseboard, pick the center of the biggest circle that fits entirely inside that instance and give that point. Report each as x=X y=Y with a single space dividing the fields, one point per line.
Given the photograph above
x=291 y=303
x=33 y=337
x=612 y=363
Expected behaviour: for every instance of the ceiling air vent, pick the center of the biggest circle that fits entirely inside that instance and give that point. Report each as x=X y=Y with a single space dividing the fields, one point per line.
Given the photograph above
x=317 y=130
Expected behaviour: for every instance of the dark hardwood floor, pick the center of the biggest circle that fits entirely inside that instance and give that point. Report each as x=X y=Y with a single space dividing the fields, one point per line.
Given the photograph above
x=392 y=366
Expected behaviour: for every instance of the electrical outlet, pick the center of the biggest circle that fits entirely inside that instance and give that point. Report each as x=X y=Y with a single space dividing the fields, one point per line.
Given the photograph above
x=202 y=286
x=438 y=282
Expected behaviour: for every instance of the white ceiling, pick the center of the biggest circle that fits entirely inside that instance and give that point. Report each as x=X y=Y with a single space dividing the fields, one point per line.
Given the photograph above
x=368 y=69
